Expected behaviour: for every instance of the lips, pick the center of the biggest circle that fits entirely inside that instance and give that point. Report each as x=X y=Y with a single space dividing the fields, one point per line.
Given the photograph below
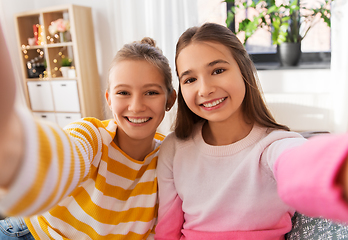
x=138 y=120
x=214 y=103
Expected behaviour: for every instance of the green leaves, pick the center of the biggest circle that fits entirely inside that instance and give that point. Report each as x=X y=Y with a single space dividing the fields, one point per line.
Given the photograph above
x=251 y=27
x=283 y=21
x=230 y=17
x=280 y=28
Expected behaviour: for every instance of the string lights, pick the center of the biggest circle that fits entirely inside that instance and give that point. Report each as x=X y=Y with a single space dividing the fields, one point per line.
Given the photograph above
x=36 y=64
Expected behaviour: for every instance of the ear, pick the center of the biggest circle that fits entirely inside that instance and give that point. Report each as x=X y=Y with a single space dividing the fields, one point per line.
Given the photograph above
x=107 y=98
x=171 y=100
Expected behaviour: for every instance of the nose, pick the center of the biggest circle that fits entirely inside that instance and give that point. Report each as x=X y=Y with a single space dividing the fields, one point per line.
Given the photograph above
x=136 y=104
x=205 y=87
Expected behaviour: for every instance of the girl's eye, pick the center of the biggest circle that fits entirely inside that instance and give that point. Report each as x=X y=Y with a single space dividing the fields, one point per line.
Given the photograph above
x=152 y=93
x=122 y=93
x=218 y=71
x=189 y=80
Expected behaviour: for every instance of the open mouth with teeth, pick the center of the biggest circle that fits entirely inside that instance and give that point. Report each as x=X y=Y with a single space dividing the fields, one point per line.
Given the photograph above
x=138 y=120
x=214 y=103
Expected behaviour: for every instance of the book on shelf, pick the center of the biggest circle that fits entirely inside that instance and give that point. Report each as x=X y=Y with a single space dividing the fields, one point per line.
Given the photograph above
x=36 y=33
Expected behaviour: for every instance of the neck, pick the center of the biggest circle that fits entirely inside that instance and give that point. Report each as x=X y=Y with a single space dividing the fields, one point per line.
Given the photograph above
x=137 y=149
x=225 y=133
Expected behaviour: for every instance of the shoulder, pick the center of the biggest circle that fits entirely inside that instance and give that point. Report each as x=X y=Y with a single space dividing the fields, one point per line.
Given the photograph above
x=281 y=136
x=170 y=140
x=159 y=136
x=277 y=141
x=170 y=144
x=173 y=140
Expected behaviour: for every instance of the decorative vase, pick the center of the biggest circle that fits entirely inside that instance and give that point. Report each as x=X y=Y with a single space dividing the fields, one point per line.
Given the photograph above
x=64 y=36
x=289 y=53
x=71 y=72
x=65 y=71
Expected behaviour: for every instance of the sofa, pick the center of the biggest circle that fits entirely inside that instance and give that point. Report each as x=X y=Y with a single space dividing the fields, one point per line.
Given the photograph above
x=308 y=228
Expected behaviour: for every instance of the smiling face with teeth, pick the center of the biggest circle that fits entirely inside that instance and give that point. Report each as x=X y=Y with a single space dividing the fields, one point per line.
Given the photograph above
x=138 y=98
x=211 y=82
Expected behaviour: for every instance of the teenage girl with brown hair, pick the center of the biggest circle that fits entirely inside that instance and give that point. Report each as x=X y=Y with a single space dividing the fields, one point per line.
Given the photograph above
x=230 y=171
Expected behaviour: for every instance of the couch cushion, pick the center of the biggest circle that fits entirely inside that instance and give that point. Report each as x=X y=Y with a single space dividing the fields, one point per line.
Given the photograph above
x=307 y=228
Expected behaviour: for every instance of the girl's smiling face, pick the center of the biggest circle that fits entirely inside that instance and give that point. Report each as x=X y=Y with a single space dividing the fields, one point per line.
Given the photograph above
x=211 y=82
x=137 y=97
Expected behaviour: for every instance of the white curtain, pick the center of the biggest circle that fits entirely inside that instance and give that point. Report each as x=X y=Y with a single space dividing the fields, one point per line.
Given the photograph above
x=339 y=65
x=117 y=22
x=164 y=21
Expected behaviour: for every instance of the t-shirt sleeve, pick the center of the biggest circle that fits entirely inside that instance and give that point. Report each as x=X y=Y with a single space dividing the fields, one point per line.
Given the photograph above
x=307 y=177
x=170 y=214
x=55 y=162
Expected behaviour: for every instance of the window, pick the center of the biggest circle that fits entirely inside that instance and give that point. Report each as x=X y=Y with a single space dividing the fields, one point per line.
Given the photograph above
x=316 y=46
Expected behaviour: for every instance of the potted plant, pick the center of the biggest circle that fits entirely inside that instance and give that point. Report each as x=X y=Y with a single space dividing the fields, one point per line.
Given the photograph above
x=65 y=66
x=288 y=23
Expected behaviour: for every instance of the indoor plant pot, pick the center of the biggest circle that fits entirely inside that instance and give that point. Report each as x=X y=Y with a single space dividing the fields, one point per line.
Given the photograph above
x=66 y=64
x=289 y=53
x=65 y=71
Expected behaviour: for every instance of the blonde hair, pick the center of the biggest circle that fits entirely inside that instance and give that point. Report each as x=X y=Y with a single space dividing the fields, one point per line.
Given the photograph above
x=147 y=50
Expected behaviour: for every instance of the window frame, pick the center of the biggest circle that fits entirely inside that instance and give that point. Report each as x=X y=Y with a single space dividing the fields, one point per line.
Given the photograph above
x=264 y=61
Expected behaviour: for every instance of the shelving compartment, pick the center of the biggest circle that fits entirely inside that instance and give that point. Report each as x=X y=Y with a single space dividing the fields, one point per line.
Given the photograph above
x=56 y=56
x=40 y=95
x=27 y=27
x=51 y=117
x=56 y=37
x=65 y=96
x=64 y=119
x=34 y=62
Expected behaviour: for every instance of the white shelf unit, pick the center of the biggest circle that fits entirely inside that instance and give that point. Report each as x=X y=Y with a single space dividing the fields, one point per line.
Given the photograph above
x=49 y=95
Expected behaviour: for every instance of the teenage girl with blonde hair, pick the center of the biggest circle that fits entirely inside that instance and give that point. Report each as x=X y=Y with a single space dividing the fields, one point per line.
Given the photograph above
x=94 y=179
x=230 y=171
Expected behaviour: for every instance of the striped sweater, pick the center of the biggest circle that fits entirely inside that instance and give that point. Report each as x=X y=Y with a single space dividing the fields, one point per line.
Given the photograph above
x=84 y=186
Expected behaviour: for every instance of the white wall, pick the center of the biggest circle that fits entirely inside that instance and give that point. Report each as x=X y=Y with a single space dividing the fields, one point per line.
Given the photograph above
x=299 y=98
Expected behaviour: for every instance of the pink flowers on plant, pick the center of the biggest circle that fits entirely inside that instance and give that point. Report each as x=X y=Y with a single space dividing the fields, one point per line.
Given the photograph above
x=59 y=25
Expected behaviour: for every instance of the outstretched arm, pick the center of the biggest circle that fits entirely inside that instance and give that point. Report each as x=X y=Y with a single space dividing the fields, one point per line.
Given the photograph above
x=313 y=178
x=40 y=163
x=11 y=137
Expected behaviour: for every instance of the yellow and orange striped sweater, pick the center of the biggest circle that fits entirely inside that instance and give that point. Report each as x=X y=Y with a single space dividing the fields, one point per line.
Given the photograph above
x=84 y=186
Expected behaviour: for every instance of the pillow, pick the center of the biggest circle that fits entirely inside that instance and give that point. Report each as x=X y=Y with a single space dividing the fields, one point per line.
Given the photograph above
x=307 y=228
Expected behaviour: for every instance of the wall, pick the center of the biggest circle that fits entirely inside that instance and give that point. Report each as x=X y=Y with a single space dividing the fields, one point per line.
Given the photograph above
x=299 y=98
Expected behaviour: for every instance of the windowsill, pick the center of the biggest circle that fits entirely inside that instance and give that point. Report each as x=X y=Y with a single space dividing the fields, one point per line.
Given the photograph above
x=302 y=65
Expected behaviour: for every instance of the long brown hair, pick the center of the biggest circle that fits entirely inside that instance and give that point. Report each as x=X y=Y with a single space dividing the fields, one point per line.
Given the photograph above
x=253 y=105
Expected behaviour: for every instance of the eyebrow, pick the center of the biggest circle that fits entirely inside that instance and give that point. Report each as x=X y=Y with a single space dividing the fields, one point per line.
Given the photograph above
x=145 y=86
x=216 y=62
x=209 y=65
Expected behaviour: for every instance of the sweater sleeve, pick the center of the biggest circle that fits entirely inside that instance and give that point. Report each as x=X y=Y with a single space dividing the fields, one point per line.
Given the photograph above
x=307 y=174
x=55 y=162
x=170 y=214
